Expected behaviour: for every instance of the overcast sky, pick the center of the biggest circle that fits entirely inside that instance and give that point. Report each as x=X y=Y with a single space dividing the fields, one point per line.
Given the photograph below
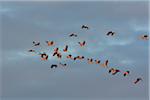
x=26 y=77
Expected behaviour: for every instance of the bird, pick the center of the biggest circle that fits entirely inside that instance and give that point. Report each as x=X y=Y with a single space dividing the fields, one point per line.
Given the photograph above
x=63 y=64
x=84 y=27
x=82 y=43
x=105 y=64
x=50 y=43
x=144 y=37
x=71 y=35
x=115 y=71
x=59 y=55
x=56 y=49
x=110 y=33
x=44 y=56
x=66 y=48
x=54 y=66
x=126 y=73
x=79 y=57
x=36 y=43
x=97 y=61
x=55 y=53
x=74 y=58
x=31 y=50
x=90 y=61
x=110 y=70
x=137 y=80
x=69 y=56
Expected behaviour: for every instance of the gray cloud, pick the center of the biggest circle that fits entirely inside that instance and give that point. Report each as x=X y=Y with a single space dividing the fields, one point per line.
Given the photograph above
x=25 y=76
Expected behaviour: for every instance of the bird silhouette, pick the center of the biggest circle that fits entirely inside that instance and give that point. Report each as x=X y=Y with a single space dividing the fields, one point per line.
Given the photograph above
x=85 y=27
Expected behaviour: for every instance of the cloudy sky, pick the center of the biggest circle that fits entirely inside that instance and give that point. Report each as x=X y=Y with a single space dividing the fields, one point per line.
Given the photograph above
x=26 y=77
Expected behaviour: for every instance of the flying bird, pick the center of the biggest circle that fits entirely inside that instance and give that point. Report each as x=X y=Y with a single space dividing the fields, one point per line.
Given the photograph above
x=113 y=71
x=110 y=33
x=144 y=37
x=63 y=64
x=55 y=53
x=85 y=27
x=69 y=56
x=54 y=66
x=59 y=55
x=82 y=43
x=50 y=43
x=31 y=50
x=97 y=61
x=79 y=57
x=36 y=43
x=73 y=35
x=110 y=70
x=56 y=49
x=44 y=56
x=66 y=48
x=137 y=80
x=105 y=64
x=126 y=73
x=90 y=61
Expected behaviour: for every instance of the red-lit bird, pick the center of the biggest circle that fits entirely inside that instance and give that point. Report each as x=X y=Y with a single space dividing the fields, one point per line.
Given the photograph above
x=66 y=48
x=50 y=43
x=44 y=56
x=144 y=37
x=90 y=61
x=126 y=73
x=97 y=61
x=82 y=43
x=105 y=64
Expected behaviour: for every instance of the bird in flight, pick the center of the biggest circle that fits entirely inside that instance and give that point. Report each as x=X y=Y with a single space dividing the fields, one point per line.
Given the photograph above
x=69 y=56
x=55 y=51
x=105 y=64
x=90 y=61
x=82 y=43
x=66 y=48
x=144 y=37
x=31 y=50
x=126 y=73
x=36 y=43
x=97 y=61
x=59 y=55
x=73 y=35
x=137 y=80
x=54 y=66
x=110 y=33
x=113 y=71
x=79 y=57
x=85 y=27
x=63 y=64
x=44 y=56
x=50 y=43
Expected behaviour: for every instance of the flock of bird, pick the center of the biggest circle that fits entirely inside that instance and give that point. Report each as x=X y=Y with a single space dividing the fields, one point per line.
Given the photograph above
x=105 y=64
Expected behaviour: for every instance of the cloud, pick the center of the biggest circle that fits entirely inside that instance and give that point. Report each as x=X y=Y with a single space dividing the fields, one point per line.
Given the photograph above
x=24 y=75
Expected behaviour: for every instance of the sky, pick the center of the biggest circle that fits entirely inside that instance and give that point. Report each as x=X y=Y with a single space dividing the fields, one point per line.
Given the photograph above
x=25 y=77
